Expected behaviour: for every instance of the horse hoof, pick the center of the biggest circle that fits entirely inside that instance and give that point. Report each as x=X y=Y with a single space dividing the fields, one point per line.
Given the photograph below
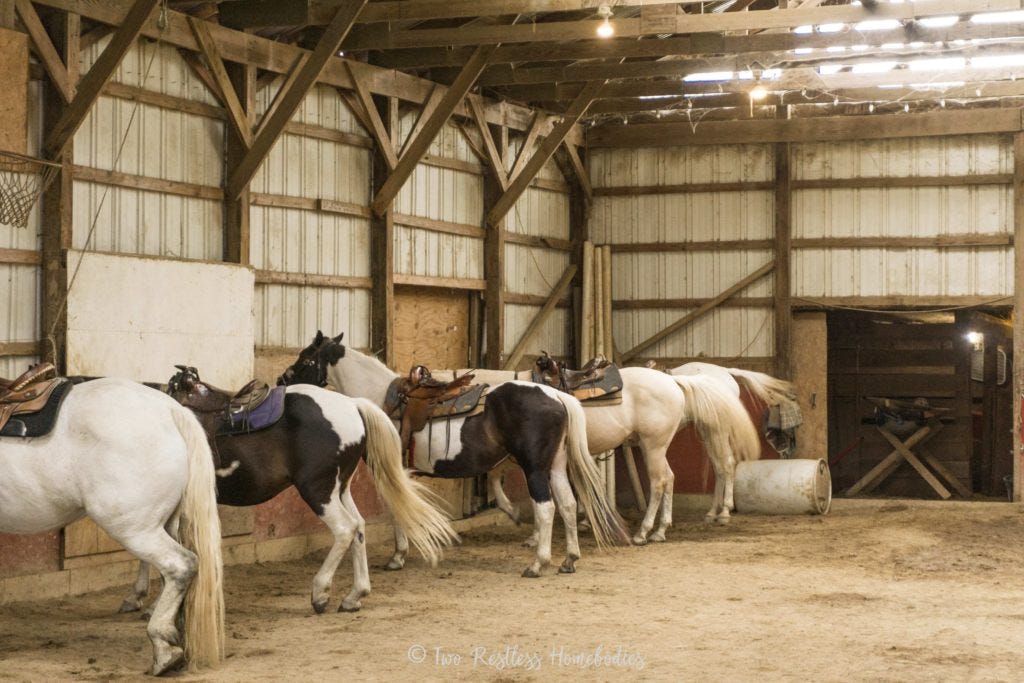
x=530 y=543
x=174 y=658
x=583 y=525
x=722 y=520
x=393 y=566
x=710 y=518
x=639 y=540
x=355 y=607
x=531 y=573
x=657 y=537
x=319 y=606
x=568 y=567
x=129 y=606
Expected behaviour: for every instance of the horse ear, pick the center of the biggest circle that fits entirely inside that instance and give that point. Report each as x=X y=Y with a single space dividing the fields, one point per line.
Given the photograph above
x=183 y=368
x=337 y=340
x=319 y=339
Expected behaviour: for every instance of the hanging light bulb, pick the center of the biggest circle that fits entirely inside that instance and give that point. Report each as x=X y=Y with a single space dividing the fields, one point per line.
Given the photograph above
x=871 y=108
x=906 y=107
x=605 y=28
x=758 y=93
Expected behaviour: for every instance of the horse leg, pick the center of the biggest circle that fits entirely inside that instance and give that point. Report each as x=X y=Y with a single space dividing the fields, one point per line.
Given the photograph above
x=718 y=502
x=658 y=536
x=660 y=476
x=397 y=560
x=539 y=485
x=177 y=566
x=566 y=504
x=360 y=566
x=728 y=504
x=343 y=526
x=504 y=504
x=133 y=603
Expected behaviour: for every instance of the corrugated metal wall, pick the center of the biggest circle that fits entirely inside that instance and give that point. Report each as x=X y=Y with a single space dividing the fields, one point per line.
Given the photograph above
x=686 y=217
x=452 y=195
x=305 y=240
x=535 y=270
x=903 y=212
x=165 y=144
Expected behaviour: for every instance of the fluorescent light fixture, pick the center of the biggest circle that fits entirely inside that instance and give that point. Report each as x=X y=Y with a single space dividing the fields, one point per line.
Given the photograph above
x=830 y=28
x=859 y=48
x=1011 y=17
x=873 y=67
x=835 y=48
x=940 y=64
x=709 y=76
x=993 y=61
x=803 y=50
x=891 y=86
x=804 y=29
x=891 y=46
x=771 y=74
x=938 y=22
x=878 y=25
x=829 y=69
x=747 y=75
x=936 y=85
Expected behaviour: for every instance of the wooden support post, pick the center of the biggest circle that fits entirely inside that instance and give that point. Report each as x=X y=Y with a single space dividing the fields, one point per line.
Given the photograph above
x=382 y=236
x=587 y=305
x=783 y=236
x=56 y=202
x=44 y=48
x=494 y=272
x=1018 y=314
x=7 y=15
x=538 y=321
x=242 y=83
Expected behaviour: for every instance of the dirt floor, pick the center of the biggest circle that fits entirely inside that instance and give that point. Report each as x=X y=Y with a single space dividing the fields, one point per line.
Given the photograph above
x=878 y=590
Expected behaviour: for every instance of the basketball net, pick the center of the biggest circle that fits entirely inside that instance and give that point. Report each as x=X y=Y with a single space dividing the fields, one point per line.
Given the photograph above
x=22 y=180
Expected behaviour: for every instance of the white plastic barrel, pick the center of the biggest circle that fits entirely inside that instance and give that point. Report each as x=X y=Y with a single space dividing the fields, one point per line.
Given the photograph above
x=783 y=487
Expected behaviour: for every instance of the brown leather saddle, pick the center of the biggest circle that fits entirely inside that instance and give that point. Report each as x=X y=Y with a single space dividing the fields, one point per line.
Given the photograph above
x=253 y=407
x=598 y=378
x=33 y=400
x=419 y=398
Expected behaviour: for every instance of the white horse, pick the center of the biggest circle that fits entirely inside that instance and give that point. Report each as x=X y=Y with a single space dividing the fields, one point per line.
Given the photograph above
x=542 y=429
x=139 y=465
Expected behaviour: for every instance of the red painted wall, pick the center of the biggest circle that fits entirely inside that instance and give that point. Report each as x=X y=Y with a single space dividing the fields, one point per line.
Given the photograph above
x=21 y=555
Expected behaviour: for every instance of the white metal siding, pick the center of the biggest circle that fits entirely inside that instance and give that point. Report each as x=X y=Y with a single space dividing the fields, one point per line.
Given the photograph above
x=289 y=315
x=158 y=143
x=687 y=217
x=903 y=212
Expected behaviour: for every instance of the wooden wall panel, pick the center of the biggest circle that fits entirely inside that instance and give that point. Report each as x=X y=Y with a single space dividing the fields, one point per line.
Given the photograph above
x=14 y=86
x=431 y=327
x=809 y=368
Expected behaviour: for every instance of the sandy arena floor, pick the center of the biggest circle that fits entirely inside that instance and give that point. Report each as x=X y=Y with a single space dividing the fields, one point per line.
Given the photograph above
x=877 y=590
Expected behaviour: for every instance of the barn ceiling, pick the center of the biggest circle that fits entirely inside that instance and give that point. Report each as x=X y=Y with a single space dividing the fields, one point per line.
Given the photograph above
x=723 y=59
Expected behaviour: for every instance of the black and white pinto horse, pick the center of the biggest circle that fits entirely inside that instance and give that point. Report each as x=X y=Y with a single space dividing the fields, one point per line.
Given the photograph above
x=139 y=465
x=543 y=430
x=316 y=446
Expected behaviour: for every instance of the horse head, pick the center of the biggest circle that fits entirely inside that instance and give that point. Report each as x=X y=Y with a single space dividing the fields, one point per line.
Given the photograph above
x=313 y=361
x=186 y=388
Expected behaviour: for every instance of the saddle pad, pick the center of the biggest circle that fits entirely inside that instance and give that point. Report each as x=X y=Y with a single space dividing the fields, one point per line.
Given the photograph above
x=464 y=403
x=605 y=400
x=41 y=422
x=609 y=383
x=265 y=415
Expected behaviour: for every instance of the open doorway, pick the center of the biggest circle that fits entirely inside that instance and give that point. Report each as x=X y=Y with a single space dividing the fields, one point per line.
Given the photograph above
x=920 y=403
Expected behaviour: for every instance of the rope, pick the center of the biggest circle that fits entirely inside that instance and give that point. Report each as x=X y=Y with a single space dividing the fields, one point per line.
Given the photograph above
x=61 y=309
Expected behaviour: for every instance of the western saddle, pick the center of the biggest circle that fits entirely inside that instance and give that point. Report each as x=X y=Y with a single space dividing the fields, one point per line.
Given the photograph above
x=558 y=376
x=419 y=397
x=28 y=393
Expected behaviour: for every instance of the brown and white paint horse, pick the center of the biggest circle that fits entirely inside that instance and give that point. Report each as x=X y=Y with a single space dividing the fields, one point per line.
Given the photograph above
x=543 y=430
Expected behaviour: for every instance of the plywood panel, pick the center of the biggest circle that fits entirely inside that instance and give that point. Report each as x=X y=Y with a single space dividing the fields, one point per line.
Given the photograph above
x=431 y=328
x=14 y=85
x=809 y=362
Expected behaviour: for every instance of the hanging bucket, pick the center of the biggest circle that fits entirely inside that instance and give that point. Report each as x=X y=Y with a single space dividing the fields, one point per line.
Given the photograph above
x=783 y=487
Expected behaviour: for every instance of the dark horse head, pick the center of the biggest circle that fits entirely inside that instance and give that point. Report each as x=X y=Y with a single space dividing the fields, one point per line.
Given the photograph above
x=311 y=366
x=186 y=388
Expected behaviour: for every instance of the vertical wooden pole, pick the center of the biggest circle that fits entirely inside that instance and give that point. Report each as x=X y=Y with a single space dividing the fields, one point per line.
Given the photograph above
x=587 y=305
x=1018 y=312
x=236 y=211
x=494 y=270
x=57 y=214
x=7 y=14
x=382 y=248
x=783 y=235
x=579 y=232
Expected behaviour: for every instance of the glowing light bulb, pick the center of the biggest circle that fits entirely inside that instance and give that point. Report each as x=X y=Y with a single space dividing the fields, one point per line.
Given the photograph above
x=759 y=92
x=605 y=28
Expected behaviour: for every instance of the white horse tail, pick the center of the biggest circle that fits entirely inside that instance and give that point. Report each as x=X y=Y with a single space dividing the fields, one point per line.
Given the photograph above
x=720 y=417
x=415 y=508
x=771 y=390
x=199 y=531
x=609 y=528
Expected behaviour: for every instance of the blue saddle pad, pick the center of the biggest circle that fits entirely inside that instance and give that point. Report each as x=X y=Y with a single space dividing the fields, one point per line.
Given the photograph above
x=265 y=415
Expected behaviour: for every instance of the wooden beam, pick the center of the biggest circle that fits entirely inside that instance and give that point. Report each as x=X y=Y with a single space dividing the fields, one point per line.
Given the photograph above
x=579 y=170
x=936 y=242
x=45 y=50
x=909 y=303
x=8 y=349
x=416 y=148
x=1018 y=316
x=494 y=161
x=877 y=473
x=467 y=283
x=709 y=245
x=291 y=97
x=783 y=313
x=422 y=10
x=425 y=114
x=538 y=321
x=241 y=83
x=735 y=302
x=925 y=473
x=539 y=122
x=684 y=23
x=544 y=151
x=690 y=317
x=276 y=277
x=809 y=129
x=685 y=188
x=238 y=115
x=367 y=111
x=92 y=83
x=385 y=117
x=494 y=274
x=21 y=257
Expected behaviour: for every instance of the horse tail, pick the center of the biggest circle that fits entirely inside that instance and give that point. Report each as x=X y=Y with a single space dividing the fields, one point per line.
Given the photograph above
x=415 y=508
x=199 y=531
x=720 y=417
x=771 y=390
x=609 y=528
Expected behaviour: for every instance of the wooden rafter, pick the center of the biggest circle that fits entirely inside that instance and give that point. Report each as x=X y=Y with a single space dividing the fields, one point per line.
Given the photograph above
x=544 y=151
x=225 y=91
x=423 y=10
x=693 y=315
x=493 y=156
x=417 y=147
x=558 y=31
x=426 y=112
x=292 y=94
x=92 y=83
x=539 y=122
x=362 y=104
x=579 y=171
x=45 y=49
